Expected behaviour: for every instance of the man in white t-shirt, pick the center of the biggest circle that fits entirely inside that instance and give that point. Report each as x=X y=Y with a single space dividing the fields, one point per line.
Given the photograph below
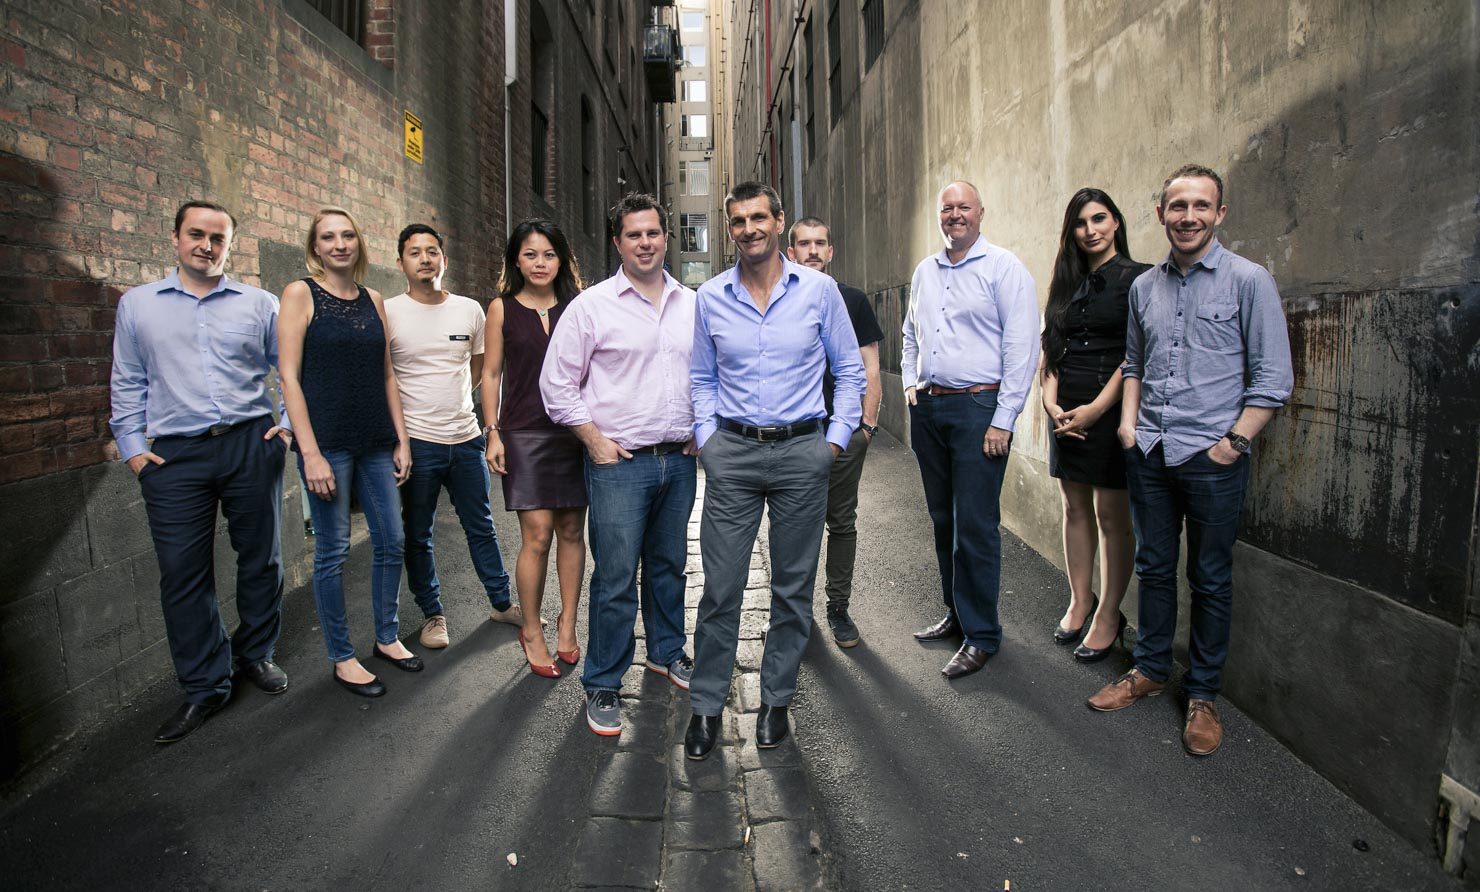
x=436 y=341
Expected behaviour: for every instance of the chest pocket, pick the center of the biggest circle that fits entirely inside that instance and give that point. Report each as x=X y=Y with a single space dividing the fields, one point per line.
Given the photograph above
x=240 y=340
x=1216 y=327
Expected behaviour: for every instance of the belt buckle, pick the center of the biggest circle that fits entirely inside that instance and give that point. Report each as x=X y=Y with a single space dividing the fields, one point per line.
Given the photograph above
x=769 y=434
x=217 y=430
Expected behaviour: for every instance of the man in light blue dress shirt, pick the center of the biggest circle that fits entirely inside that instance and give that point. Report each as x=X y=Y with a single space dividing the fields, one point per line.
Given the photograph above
x=764 y=333
x=970 y=352
x=191 y=357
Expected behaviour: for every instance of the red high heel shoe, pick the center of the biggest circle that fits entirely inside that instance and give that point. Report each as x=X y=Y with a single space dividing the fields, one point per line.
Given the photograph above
x=550 y=671
x=568 y=657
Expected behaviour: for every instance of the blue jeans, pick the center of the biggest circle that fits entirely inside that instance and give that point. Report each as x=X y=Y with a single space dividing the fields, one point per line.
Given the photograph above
x=962 y=488
x=373 y=477
x=461 y=470
x=639 y=511
x=1209 y=498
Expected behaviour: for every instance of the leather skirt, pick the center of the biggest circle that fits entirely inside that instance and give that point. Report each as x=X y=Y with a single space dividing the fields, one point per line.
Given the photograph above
x=546 y=470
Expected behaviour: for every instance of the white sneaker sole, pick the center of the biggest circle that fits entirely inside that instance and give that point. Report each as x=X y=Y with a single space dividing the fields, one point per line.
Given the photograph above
x=663 y=671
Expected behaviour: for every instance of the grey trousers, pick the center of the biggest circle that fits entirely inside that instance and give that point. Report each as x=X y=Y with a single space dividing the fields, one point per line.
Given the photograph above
x=842 y=515
x=742 y=478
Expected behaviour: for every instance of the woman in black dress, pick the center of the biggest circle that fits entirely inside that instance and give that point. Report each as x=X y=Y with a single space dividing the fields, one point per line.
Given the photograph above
x=541 y=462
x=1083 y=348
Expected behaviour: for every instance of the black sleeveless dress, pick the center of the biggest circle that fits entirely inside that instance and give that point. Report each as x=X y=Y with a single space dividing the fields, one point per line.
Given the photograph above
x=343 y=374
x=545 y=461
x=1095 y=333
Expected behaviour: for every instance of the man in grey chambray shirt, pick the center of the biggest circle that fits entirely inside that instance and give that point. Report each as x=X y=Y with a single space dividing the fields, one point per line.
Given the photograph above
x=1207 y=363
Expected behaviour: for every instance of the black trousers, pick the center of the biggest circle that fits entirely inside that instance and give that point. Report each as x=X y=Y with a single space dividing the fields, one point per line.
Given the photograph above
x=242 y=474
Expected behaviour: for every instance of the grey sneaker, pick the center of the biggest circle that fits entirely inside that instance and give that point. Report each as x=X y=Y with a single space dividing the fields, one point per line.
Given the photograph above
x=844 y=632
x=679 y=671
x=604 y=713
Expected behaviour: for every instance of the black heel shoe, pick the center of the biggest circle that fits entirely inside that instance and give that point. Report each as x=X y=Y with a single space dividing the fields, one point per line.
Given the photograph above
x=1086 y=654
x=1067 y=637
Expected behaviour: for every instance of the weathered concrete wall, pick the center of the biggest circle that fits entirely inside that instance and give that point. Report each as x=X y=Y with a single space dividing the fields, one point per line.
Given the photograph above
x=1347 y=136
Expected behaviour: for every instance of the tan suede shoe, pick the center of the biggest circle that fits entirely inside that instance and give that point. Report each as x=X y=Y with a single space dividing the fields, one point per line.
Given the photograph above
x=1124 y=691
x=1204 y=732
x=434 y=632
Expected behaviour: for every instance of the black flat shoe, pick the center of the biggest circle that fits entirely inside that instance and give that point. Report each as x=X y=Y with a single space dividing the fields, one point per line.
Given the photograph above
x=405 y=664
x=185 y=720
x=1066 y=637
x=1086 y=654
x=946 y=628
x=703 y=733
x=967 y=660
x=771 y=727
x=372 y=688
x=266 y=675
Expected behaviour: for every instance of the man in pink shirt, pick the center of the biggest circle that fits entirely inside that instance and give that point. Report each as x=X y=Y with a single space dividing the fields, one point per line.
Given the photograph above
x=617 y=374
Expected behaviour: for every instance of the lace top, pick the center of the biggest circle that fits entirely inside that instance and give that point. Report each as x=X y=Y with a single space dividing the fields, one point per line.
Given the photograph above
x=343 y=375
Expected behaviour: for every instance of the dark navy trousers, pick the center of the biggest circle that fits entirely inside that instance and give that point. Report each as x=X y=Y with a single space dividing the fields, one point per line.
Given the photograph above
x=240 y=474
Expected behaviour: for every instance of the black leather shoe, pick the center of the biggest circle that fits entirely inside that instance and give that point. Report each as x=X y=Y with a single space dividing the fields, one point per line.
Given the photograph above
x=703 y=733
x=1086 y=654
x=1066 y=637
x=405 y=664
x=771 y=727
x=266 y=675
x=372 y=688
x=966 y=661
x=946 y=628
x=186 y=719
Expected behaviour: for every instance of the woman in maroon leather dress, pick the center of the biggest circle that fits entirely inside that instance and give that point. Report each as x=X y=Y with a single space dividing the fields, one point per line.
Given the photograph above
x=540 y=461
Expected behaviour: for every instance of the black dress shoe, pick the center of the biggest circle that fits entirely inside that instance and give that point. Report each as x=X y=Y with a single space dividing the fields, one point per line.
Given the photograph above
x=405 y=664
x=1086 y=654
x=266 y=675
x=771 y=727
x=946 y=628
x=967 y=660
x=371 y=688
x=700 y=738
x=1066 y=637
x=186 y=719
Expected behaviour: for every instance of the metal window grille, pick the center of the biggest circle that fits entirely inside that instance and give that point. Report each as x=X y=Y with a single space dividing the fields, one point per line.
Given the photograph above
x=694 y=233
x=835 y=62
x=346 y=15
x=873 y=31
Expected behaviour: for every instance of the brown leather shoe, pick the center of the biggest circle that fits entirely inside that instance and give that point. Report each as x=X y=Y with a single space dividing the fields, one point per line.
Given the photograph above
x=1124 y=691
x=1204 y=732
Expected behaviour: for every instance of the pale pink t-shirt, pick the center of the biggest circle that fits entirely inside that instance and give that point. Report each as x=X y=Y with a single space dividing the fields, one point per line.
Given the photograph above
x=431 y=351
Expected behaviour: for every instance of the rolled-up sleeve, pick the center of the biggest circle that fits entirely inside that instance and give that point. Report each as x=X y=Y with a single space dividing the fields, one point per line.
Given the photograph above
x=703 y=374
x=129 y=385
x=841 y=345
x=566 y=363
x=1270 y=375
x=1018 y=304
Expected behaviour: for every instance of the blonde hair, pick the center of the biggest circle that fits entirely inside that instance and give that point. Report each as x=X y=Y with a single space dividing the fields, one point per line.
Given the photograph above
x=312 y=261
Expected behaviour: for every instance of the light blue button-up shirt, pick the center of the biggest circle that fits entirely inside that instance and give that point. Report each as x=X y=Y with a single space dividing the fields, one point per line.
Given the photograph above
x=1204 y=346
x=766 y=369
x=182 y=364
x=973 y=322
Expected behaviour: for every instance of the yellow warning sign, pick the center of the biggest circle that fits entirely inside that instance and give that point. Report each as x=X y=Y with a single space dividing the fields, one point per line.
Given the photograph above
x=413 y=137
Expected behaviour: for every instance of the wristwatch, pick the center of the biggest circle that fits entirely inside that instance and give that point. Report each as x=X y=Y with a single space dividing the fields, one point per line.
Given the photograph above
x=1239 y=442
x=867 y=428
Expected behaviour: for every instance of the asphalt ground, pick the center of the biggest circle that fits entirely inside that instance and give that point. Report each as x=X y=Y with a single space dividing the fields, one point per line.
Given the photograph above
x=918 y=783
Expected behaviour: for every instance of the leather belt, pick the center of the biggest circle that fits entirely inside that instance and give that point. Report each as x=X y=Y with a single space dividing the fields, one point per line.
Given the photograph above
x=214 y=430
x=658 y=449
x=771 y=433
x=937 y=390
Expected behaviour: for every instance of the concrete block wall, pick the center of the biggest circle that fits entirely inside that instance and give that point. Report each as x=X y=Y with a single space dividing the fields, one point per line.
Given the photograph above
x=111 y=114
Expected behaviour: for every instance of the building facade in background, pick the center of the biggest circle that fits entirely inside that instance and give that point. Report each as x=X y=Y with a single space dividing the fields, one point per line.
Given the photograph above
x=696 y=147
x=466 y=114
x=1345 y=133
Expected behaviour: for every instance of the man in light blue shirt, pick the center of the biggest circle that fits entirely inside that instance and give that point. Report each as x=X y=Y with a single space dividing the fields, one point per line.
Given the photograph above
x=970 y=352
x=191 y=357
x=764 y=332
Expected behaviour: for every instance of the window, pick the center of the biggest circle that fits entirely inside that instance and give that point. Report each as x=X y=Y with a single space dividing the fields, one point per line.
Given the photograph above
x=541 y=99
x=835 y=62
x=696 y=91
x=693 y=272
x=693 y=177
x=346 y=15
x=539 y=149
x=695 y=125
x=693 y=233
x=809 y=97
x=692 y=22
x=873 y=31
x=588 y=167
x=695 y=56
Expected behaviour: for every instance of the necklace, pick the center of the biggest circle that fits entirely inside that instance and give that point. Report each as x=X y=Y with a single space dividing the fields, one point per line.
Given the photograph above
x=543 y=313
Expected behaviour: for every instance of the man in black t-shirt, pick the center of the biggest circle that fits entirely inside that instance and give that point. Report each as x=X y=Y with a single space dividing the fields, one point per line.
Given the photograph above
x=811 y=245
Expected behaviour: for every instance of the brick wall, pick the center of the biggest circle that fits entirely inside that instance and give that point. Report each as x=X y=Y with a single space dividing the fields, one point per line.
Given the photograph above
x=113 y=113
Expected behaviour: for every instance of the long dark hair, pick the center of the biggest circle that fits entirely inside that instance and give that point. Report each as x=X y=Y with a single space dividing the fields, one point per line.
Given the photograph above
x=1069 y=269
x=567 y=279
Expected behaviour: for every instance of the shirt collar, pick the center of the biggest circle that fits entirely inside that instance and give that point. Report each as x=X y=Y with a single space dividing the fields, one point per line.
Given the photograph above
x=978 y=248
x=1208 y=261
x=624 y=284
x=171 y=282
x=789 y=274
